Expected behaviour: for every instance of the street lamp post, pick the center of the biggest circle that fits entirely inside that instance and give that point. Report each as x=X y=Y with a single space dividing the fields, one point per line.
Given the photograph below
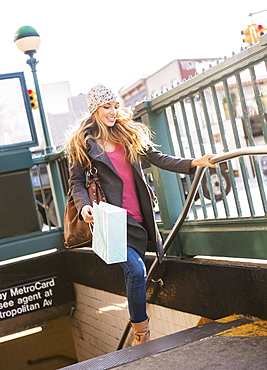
x=28 y=41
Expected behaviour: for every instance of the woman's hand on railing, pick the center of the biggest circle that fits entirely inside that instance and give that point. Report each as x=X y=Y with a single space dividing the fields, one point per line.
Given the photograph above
x=248 y=150
x=210 y=160
x=203 y=161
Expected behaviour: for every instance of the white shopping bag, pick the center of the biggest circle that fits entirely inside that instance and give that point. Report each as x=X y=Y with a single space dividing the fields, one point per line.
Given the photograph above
x=110 y=232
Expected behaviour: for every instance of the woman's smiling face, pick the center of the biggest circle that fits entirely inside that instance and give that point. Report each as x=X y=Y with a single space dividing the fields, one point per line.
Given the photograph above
x=108 y=113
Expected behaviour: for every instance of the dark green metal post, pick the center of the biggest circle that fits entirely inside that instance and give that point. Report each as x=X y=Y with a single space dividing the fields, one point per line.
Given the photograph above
x=32 y=63
x=53 y=169
x=166 y=184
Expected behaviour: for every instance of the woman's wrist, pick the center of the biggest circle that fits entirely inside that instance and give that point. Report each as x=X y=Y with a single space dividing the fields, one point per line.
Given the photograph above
x=193 y=163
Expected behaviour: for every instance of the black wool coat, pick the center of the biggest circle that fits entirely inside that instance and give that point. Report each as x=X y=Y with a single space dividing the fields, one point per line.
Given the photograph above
x=112 y=185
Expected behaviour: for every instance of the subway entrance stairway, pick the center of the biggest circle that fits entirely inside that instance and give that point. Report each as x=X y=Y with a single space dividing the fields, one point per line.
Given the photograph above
x=88 y=314
x=235 y=342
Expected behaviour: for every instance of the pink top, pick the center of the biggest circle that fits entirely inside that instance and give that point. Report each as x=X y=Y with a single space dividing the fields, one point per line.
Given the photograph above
x=123 y=167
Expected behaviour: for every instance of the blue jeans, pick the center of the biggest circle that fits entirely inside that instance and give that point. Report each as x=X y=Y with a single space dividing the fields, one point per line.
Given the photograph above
x=135 y=281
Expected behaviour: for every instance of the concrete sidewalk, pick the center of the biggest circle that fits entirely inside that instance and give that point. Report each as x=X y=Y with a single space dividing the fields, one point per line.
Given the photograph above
x=234 y=342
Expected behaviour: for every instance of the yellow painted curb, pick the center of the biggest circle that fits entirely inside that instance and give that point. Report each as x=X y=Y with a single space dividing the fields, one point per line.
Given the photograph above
x=253 y=329
x=229 y=318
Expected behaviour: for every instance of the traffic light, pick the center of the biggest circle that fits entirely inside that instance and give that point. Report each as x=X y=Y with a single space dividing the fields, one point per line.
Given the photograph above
x=33 y=100
x=250 y=34
x=253 y=33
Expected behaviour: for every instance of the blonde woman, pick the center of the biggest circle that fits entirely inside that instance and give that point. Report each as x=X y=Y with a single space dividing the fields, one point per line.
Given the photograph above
x=114 y=144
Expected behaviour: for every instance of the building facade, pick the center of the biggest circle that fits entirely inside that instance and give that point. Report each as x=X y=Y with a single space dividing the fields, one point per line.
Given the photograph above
x=170 y=75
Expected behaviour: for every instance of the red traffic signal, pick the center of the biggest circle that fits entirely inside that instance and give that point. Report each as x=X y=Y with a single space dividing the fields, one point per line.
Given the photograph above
x=33 y=100
x=260 y=29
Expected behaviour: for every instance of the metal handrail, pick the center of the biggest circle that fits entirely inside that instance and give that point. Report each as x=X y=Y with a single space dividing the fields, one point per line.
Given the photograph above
x=45 y=158
x=249 y=150
x=218 y=158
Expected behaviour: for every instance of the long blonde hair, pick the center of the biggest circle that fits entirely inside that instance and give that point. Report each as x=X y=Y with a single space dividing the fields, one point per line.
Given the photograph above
x=133 y=136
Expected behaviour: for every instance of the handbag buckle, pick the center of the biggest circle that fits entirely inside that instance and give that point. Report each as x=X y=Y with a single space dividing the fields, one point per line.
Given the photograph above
x=93 y=171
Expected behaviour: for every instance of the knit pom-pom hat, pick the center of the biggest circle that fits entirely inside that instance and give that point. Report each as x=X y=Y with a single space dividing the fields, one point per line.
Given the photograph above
x=100 y=95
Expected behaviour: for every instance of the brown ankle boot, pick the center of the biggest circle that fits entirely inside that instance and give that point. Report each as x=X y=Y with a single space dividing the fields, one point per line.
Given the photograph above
x=141 y=332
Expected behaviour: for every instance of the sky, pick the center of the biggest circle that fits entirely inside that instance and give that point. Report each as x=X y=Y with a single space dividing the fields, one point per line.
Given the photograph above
x=115 y=42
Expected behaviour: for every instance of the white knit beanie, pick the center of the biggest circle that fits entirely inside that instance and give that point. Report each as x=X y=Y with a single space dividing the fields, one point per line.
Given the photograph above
x=100 y=95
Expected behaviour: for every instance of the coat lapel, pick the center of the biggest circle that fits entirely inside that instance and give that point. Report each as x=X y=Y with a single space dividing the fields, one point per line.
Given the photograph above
x=138 y=169
x=96 y=152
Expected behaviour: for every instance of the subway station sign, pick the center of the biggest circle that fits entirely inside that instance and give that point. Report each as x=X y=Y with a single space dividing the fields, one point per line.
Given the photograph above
x=26 y=298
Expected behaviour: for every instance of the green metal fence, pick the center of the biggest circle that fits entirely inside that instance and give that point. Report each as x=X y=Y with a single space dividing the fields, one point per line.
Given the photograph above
x=45 y=190
x=221 y=109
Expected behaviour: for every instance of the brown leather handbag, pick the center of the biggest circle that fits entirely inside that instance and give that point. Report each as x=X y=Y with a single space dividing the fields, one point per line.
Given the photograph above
x=76 y=231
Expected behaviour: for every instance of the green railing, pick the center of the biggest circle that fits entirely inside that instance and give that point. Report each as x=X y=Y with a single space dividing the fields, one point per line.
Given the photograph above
x=218 y=110
x=45 y=189
x=221 y=109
